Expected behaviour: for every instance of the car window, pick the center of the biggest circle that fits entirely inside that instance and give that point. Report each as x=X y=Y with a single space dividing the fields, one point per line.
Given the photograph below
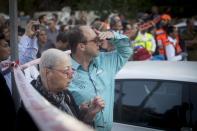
x=166 y=105
x=184 y=28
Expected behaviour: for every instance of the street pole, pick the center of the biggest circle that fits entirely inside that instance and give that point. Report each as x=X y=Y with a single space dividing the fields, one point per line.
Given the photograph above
x=14 y=46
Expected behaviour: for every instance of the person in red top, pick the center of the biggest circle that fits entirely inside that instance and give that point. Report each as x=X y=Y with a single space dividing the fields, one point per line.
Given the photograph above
x=141 y=54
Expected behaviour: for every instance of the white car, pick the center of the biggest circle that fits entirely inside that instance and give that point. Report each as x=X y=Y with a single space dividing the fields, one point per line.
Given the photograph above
x=153 y=95
x=182 y=26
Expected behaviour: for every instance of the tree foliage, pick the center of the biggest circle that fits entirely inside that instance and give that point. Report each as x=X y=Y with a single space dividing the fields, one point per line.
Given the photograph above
x=127 y=7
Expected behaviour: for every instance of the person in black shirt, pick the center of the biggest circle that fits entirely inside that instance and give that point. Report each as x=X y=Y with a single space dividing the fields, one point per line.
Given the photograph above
x=7 y=110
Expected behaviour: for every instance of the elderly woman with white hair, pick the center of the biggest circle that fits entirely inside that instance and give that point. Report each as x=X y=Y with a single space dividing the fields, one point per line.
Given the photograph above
x=55 y=76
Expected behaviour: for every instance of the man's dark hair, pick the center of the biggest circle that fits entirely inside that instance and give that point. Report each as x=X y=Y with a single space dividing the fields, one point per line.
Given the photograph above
x=54 y=15
x=62 y=36
x=113 y=21
x=75 y=36
x=40 y=18
x=2 y=36
x=72 y=13
x=170 y=29
x=189 y=20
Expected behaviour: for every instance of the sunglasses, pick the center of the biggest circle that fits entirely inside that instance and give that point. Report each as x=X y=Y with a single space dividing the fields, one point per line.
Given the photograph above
x=95 y=40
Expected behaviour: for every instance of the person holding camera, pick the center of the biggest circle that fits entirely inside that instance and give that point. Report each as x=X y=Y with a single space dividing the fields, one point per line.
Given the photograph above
x=28 y=44
x=94 y=71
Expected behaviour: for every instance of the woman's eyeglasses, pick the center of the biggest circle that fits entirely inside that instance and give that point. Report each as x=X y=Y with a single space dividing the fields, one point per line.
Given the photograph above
x=67 y=71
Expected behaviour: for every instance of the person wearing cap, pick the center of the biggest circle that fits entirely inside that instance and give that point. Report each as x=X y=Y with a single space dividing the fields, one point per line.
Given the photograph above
x=166 y=18
x=28 y=44
x=52 y=32
x=94 y=71
x=43 y=21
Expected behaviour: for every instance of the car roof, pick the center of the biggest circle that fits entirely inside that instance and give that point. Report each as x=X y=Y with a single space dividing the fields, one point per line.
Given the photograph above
x=159 y=70
x=183 y=24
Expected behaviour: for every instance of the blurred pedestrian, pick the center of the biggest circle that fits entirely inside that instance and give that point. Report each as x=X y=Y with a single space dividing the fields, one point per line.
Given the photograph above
x=116 y=24
x=190 y=38
x=42 y=41
x=7 y=110
x=28 y=44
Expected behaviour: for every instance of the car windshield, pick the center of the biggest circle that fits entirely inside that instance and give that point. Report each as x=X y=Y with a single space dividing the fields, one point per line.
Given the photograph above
x=166 y=105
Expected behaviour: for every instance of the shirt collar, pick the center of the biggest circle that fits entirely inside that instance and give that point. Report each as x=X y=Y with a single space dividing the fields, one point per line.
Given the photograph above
x=76 y=65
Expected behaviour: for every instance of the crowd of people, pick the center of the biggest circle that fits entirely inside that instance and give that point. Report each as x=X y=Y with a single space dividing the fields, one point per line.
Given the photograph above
x=82 y=84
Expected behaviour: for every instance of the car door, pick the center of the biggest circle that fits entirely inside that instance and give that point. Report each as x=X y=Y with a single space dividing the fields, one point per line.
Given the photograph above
x=155 y=104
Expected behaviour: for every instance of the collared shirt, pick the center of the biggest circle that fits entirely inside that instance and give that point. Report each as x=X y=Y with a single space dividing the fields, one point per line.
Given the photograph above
x=28 y=49
x=52 y=35
x=99 y=79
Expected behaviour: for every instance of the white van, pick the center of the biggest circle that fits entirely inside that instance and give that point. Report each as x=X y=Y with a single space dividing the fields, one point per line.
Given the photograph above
x=156 y=95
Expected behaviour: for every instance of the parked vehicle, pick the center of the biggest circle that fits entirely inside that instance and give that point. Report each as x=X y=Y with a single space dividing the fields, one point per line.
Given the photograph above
x=152 y=96
x=182 y=26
